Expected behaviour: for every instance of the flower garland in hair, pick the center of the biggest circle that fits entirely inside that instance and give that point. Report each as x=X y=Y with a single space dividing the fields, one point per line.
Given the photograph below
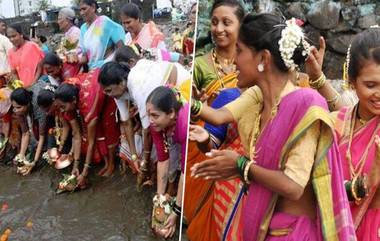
x=177 y=94
x=291 y=37
x=49 y=88
x=346 y=65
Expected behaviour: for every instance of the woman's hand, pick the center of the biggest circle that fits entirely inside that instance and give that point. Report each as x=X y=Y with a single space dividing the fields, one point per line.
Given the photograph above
x=81 y=180
x=314 y=62
x=199 y=95
x=136 y=165
x=75 y=170
x=198 y=134
x=221 y=165
x=27 y=168
x=170 y=225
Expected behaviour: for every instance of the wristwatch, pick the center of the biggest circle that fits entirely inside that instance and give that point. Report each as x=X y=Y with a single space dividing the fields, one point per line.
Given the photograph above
x=134 y=157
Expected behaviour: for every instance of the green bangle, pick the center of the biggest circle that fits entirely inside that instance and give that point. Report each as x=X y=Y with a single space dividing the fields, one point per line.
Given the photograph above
x=241 y=162
x=347 y=186
x=196 y=107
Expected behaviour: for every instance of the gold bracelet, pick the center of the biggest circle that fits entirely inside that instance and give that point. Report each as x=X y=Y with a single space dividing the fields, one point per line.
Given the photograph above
x=332 y=102
x=246 y=170
x=318 y=83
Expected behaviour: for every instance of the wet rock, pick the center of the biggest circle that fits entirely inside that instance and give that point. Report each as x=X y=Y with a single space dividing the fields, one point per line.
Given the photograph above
x=324 y=14
x=360 y=2
x=340 y=43
x=297 y=10
x=333 y=65
x=367 y=21
x=343 y=26
x=350 y=14
x=312 y=34
x=366 y=9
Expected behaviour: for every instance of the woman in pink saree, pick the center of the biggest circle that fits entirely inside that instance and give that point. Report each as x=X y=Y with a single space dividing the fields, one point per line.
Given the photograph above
x=358 y=129
x=146 y=35
x=293 y=172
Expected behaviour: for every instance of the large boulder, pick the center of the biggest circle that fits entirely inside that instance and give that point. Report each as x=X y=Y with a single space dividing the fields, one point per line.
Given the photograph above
x=324 y=14
x=340 y=43
x=297 y=10
x=367 y=21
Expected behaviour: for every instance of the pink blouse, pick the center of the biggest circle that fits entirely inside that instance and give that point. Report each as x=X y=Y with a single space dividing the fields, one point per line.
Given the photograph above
x=179 y=137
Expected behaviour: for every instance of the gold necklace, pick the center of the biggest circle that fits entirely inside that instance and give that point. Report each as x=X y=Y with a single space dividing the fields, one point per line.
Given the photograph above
x=362 y=121
x=255 y=135
x=226 y=68
x=257 y=126
x=358 y=169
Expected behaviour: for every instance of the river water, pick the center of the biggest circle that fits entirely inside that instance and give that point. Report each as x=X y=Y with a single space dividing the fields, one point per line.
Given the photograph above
x=110 y=209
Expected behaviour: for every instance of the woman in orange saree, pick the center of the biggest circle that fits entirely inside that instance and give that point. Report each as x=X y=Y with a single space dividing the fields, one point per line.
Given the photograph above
x=213 y=72
x=224 y=204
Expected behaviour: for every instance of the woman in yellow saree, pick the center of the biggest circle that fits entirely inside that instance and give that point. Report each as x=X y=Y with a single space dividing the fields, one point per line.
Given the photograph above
x=292 y=194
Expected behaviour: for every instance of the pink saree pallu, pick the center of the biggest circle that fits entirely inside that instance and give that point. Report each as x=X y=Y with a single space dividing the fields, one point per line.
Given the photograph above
x=369 y=228
x=286 y=227
x=297 y=112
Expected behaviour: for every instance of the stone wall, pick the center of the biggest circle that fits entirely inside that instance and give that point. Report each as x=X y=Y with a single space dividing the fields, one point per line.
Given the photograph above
x=337 y=21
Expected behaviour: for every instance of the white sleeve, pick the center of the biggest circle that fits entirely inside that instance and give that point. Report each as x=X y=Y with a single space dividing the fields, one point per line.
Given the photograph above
x=122 y=106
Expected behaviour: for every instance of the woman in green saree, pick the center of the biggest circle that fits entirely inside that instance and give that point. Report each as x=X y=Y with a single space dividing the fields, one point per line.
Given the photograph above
x=217 y=66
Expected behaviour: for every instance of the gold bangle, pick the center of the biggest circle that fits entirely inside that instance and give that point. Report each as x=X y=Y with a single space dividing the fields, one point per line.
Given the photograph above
x=332 y=102
x=246 y=170
x=318 y=83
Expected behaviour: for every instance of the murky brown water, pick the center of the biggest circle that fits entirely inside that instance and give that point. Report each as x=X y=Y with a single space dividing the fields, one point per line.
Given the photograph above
x=110 y=209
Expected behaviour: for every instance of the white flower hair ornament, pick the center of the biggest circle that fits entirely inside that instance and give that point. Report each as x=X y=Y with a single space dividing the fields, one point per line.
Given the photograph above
x=291 y=37
x=49 y=88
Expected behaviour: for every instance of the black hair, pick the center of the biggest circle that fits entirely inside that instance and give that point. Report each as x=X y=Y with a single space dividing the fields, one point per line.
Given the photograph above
x=164 y=99
x=113 y=73
x=131 y=10
x=52 y=59
x=2 y=20
x=90 y=3
x=125 y=54
x=263 y=31
x=45 y=98
x=239 y=10
x=18 y=29
x=365 y=47
x=42 y=38
x=22 y=96
x=67 y=92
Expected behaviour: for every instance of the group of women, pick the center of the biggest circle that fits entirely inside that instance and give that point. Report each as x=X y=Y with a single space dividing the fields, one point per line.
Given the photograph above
x=99 y=95
x=269 y=160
